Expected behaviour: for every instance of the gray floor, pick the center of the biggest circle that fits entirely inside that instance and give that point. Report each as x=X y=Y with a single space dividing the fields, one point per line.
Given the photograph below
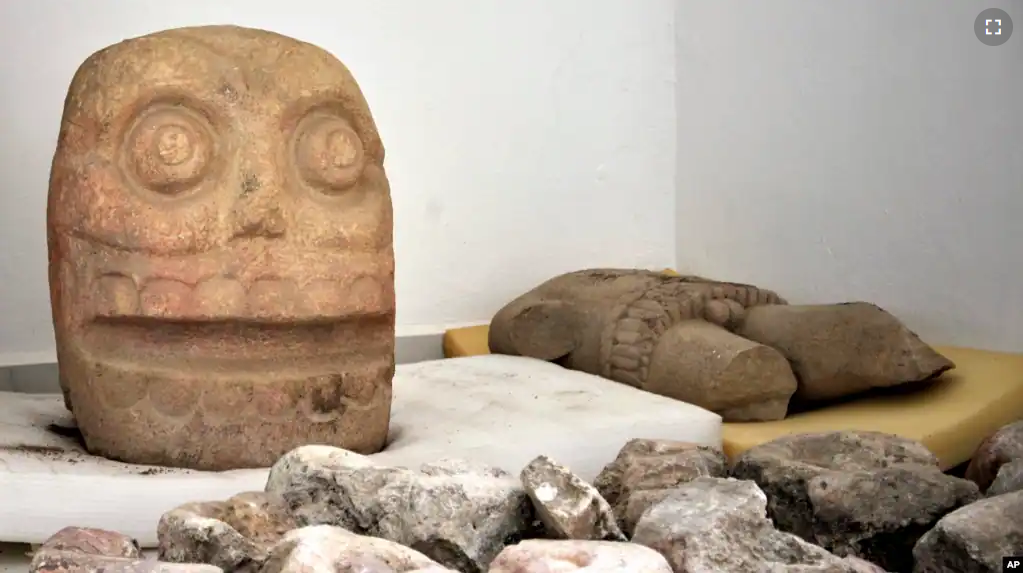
x=42 y=378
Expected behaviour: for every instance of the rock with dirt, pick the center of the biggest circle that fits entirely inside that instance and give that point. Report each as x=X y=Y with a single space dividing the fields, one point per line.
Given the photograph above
x=1004 y=446
x=645 y=471
x=974 y=538
x=303 y=477
x=558 y=556
x=720 y=524
x=458 y=513
x=863 y=494
x=94 y=542
x=1010 y=478
x=230 y=534
x=87 y=550
x=569 y=507
x=329 y=549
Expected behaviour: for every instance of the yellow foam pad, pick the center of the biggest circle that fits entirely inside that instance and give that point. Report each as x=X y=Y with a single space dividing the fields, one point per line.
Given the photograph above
x=950 y=416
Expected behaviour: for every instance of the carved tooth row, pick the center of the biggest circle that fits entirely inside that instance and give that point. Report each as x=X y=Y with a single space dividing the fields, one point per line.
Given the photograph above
x=218 y=297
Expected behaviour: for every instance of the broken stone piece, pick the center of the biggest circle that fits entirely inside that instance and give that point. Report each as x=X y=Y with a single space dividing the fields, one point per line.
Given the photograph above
x=558 y=556
x=88 y=550
x=94 y=542
x=1009 y=478
x=328 y=549
x=1005 y=445
x=704 y=364
x=227 y=534
x=843 y=349
x=719 y=524
x=456 y=466
x=863 y=494
x=973 y=538
x=52 y=561
x=569 y=507
x=608 y=322
x=300 y=478
x=460 y=514
x=645 y=470
x=220 y=248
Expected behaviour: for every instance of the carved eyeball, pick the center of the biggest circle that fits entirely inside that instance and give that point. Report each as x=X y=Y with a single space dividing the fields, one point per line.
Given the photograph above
x=328 y=153
x=169 y=150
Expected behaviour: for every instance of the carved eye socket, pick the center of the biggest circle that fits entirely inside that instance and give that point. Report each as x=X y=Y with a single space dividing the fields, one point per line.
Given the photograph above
x=169 y=150
x=328 y=153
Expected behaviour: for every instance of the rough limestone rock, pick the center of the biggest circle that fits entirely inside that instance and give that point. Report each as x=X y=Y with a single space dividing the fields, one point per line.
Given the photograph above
x=974 y=538
x=842 y=349
x=720 y=524
x=229 y=534
x=1010 y=478
x=645 y=471
x=1006 y=445
x=85 y=550
x=328 y=549
x=569 y=507
x=864 y=494
x=304 y=479
x=94 y=542
x=557 y=556
x=457 y=513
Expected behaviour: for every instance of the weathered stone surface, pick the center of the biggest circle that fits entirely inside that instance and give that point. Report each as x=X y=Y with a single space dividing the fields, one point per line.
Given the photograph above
x=974 y=538
x=53 y=561
x=1009 y=478
x=329 y=549
x=720 y=524
x=94 y=542
x=230 y=534
x=304 y=479
x=569 y=507
x=1001 y=447
x=864 y=494
x=640 y=328
x=841 y=349
x=455 y=466
x=704 y=364
x=645 y=470
x=221 y=261
x=556 y=556
x=88 y=550
x=461 y=520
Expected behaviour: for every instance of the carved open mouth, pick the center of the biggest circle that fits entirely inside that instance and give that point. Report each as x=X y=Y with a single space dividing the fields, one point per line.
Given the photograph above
x=245 y=305
x=237 y=344
x=219 y=299
x=266 y=323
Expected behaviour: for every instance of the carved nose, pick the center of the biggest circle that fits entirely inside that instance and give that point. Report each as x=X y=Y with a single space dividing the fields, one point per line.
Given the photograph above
x=264 y=222
x=257 y=212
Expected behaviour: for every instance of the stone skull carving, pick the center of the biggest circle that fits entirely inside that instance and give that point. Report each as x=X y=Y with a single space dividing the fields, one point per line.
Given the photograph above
x=221 y=264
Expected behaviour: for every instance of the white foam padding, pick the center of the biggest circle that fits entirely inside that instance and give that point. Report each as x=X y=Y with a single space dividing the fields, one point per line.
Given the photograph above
x=500 y=410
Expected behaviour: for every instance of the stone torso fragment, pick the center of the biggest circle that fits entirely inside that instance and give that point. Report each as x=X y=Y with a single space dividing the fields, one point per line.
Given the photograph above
x=735 y=349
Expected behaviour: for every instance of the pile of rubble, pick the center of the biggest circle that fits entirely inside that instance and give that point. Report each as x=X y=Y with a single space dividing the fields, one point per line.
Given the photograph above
x=841 y=502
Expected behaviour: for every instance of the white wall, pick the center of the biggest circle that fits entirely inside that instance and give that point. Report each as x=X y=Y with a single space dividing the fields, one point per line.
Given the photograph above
x=524 y=138
x=856 y=150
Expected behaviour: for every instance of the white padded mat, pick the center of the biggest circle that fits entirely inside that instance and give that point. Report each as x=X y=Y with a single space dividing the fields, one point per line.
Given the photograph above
x=501 y=410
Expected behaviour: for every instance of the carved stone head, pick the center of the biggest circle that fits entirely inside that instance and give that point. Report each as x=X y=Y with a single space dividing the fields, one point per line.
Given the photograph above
x=221 y=263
